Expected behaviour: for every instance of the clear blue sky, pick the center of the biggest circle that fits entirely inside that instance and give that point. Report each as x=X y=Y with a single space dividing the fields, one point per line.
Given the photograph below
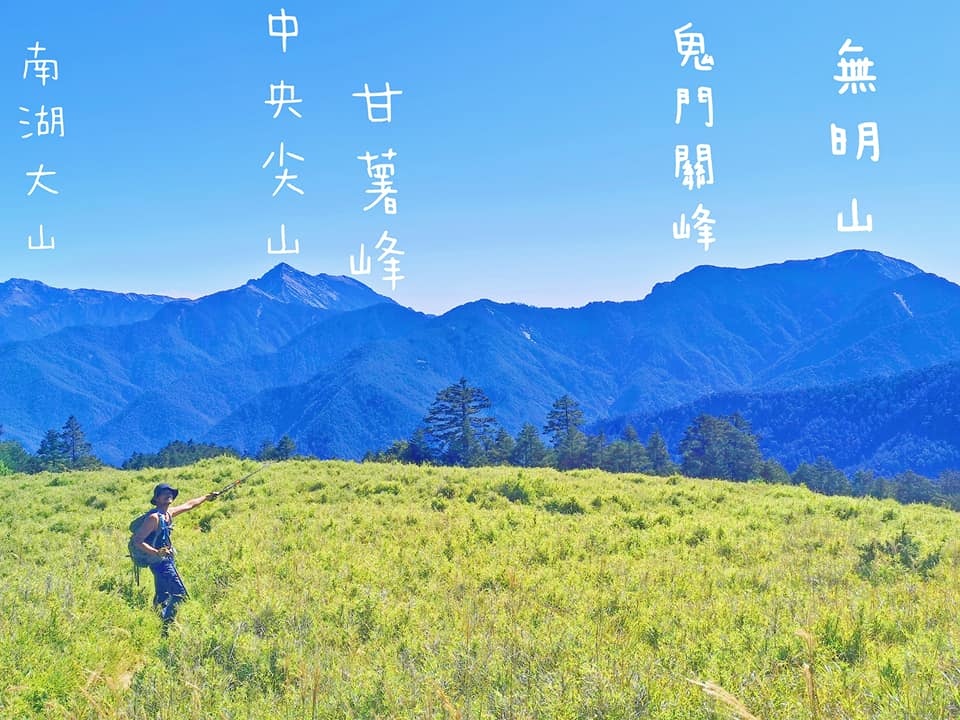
x=535 y=142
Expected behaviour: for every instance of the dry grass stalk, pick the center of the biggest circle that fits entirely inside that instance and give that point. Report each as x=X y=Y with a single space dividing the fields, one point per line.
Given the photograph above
x=718 y=693
x=447 y=705
x=809 y=642
x=808 y=676
x=315 y=696
x=811 y=692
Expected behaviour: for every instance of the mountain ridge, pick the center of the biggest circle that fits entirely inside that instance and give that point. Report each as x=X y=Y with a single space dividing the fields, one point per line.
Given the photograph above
x=264 y=358
x=906 y=421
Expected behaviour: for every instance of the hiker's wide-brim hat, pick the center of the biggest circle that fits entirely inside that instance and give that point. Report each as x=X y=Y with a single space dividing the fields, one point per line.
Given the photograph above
x=161 y=488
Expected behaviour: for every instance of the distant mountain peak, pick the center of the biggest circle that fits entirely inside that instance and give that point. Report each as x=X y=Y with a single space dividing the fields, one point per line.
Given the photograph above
x=286 y=283
x=282 y=271
x=892 y=268
x=30 y=309
x=23 y=282
x=286 y=269
x=37 y=286
x=858 y=262
x=20 y=292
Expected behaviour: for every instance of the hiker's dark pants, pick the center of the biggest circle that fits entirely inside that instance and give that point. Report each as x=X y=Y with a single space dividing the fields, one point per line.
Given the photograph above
x=168 y=588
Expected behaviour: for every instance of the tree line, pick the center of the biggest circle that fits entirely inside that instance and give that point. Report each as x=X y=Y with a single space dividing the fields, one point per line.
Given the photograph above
x=458 y=430
x=68 y=449
x=178 y=453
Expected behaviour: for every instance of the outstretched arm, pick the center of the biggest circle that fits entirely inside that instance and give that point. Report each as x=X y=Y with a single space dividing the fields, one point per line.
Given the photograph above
x=191 y=504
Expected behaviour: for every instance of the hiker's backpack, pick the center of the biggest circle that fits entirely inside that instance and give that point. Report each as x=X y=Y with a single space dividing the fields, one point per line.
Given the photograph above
x=158 y=538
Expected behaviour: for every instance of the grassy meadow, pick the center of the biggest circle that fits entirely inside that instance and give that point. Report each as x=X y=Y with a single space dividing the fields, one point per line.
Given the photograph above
x=342 y=590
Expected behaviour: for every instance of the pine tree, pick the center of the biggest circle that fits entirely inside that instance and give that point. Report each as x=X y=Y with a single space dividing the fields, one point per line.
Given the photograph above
x=772 y=471
x=702 y=449
x=285 y=448
x=827 y=479
x=863 y=482
x=418 y=449
x=564 y=417
x=500 y=449
x=627 y=455
x=596 y=451
x=659 y=455
x=636 y=458
x=15 y=457
x=720 y=448
x=529 y=450
x=949 y=482
x=743 y=449
x=51 y=454
x=76 y=449
x=805 y=474
x=572 y=451
x=563 y=426
x=911 y=488
x=455 y=425
x=267 y=451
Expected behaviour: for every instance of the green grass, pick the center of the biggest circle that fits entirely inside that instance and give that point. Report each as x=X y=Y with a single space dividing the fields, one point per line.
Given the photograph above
x=337 y=590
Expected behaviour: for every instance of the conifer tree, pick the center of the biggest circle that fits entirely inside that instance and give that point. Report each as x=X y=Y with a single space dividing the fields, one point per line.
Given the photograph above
x=659 y=455
x=15 y=457
x=529 y=450
x=51 y=454
x=949 y=482
x=911 y=487
x=772 y=471
x=564 y=417
x=563 y=426
x=720 y=448
x=500 y=448
x=285 y=448
x=75 y=447
x=456 y=426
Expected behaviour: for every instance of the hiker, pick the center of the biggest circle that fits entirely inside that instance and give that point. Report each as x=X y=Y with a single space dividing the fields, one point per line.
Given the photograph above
x=153 y=538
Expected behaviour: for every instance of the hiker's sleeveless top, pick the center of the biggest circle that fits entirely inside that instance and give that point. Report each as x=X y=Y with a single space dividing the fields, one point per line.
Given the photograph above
x=161 y=536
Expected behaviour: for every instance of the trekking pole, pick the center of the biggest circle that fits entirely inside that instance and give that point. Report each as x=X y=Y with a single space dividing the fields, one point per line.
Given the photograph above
x=232 y=485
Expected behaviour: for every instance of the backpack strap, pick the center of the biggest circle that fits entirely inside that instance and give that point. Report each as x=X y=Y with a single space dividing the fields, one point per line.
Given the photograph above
x=160 y=537
x=164 y=527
